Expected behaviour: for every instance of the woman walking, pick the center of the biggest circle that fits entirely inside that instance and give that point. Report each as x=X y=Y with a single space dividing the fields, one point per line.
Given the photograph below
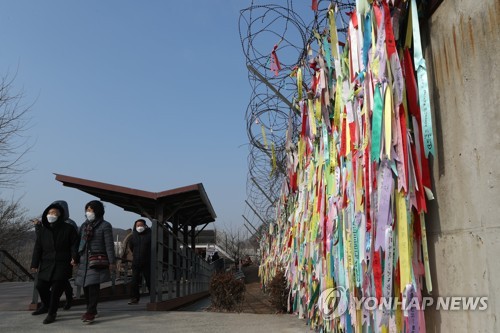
x=96 y=241
x=140 y=245
x=53 y=254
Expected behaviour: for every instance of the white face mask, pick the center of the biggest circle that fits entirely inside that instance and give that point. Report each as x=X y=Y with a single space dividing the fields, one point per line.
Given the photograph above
x=140 y=229
x=90 y=216
x=52 y=218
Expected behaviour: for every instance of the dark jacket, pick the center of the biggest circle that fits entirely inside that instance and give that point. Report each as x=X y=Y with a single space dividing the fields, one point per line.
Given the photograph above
x=55 y=246
x=140 y=245
x=101 y=242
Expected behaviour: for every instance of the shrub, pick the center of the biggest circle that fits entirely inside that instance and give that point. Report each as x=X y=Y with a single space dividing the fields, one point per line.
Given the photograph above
x=278 y=292
x=226 y=292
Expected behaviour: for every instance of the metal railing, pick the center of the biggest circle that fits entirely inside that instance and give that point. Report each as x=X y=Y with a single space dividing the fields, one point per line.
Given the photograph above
x=176 y=270
x=11 y=270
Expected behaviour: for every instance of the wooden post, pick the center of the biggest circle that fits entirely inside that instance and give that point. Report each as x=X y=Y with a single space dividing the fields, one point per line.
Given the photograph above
x=177 y=272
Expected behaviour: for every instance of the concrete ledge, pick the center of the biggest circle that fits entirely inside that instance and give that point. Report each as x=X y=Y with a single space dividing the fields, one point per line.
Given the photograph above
x=175 y=303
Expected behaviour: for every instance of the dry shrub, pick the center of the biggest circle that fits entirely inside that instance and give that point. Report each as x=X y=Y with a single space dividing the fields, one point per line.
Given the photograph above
x=226 y=292
x=278 y=292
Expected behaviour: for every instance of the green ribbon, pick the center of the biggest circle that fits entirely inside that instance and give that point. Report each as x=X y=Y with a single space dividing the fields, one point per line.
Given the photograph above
x=327 y=52
x=314 y=297
x=423 y=86
x=376 y=123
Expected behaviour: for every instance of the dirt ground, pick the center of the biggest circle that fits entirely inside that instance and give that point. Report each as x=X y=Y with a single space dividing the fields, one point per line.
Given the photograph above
x=255 y=300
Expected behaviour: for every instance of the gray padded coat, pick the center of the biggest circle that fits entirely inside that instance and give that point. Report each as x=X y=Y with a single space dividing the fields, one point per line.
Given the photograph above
x=101 y=242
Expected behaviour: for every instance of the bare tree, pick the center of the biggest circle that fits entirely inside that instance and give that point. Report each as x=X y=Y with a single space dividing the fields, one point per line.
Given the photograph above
x=14 y=224
x=230 y=240
x=16 y=236
x=13 y=124
x=14 y=121
x=237 y=244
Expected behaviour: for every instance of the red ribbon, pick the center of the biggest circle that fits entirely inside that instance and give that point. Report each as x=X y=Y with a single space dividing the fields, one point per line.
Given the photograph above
x=275 y=65
x=389 y=33
x=404 y=139
x=366 y=186
x=343 y=137
x=304 y=120
x=377 y=274
x=397 y=277
x=325 y=220
x=354 y=19
x=378 y=14
x=314 y=5
x=420 y=193
x=293 y=182
x=314 y=83
x=353 y=134
x=411 y=90
x=416 y=226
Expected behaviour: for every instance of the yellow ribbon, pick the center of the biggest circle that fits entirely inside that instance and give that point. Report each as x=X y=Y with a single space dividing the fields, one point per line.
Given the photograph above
x=338 y=104
x=334 y=40
x=428 y=280
x=409 y=29
x=404 y=247
x=317 y=107
x=299 y=83
x=388 y=120
x=264 y=139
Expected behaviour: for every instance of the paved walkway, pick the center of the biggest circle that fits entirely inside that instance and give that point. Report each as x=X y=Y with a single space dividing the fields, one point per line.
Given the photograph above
x=118 y=316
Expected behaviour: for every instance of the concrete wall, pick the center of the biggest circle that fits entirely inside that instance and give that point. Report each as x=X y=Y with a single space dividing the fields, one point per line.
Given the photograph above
x=462 y=49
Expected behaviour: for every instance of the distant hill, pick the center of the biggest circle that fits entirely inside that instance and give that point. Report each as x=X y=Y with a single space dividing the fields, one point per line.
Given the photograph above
x=119 y=233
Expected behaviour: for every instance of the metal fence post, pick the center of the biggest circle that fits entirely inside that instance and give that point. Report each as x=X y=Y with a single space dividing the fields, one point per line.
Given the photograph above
x=154 y=262
x=34 y=299
x=159 y=265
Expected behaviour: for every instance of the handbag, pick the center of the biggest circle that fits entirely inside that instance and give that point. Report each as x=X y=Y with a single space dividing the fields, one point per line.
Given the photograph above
x=98 y=260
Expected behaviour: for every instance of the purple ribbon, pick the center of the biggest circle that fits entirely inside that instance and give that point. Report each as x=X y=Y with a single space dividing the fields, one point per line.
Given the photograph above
x=384 y=203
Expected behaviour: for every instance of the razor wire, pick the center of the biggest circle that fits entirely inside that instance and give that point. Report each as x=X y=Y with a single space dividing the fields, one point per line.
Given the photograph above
x=276 y=39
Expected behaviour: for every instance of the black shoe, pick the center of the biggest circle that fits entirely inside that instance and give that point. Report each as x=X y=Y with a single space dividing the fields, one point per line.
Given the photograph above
x=40 y=311
x=133 y=301
x=68 y=304
x=49 y=319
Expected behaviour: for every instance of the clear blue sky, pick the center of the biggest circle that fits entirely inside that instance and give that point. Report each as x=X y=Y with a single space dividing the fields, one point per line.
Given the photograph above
x=144 y=94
